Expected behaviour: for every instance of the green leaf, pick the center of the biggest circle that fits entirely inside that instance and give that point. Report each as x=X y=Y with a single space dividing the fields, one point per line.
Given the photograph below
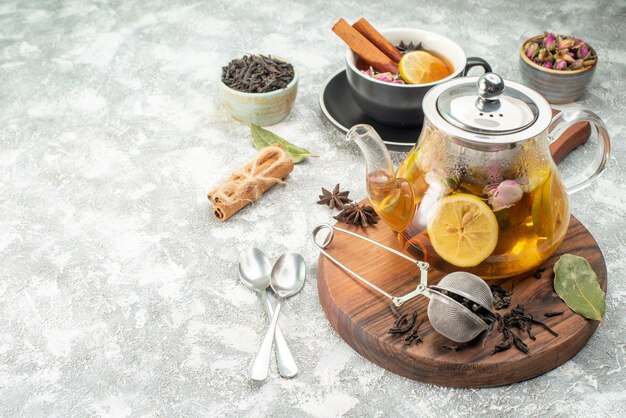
x=262 y=138
x=577 y=284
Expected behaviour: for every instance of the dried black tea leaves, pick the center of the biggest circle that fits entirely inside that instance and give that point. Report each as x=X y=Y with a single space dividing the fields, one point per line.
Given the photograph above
x=403 y=325
x=450 y=347
x=517 y=318
x=538 y=273
x=501 y=298
x=257 y=74
x=414 y=336
x=551 y=314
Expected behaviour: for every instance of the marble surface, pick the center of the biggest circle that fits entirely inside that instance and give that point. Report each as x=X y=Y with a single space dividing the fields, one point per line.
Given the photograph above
x=118 y=288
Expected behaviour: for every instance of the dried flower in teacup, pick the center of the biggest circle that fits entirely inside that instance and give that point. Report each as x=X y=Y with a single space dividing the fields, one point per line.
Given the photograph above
x=547 y=64
x=386 y=77
x=503 y=195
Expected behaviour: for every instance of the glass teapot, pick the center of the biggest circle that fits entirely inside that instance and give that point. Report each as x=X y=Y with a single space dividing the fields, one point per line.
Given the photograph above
x=480 y=191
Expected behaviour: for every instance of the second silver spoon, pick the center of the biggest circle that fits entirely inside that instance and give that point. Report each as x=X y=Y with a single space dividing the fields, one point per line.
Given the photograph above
x=254 y=272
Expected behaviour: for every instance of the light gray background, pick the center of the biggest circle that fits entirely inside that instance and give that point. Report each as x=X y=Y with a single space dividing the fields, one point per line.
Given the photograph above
x=118 y=288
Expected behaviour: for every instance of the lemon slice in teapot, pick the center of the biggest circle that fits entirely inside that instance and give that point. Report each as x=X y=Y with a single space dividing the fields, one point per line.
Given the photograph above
x=463 y=230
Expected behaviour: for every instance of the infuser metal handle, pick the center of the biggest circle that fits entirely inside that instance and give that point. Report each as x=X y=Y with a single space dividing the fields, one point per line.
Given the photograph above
x=421 y=289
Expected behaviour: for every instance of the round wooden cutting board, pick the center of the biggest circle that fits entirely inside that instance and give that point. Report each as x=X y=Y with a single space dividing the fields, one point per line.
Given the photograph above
x=362 y=317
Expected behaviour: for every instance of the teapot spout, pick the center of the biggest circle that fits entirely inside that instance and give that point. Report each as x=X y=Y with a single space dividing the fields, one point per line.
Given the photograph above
x=377 y=158
x=392 y=198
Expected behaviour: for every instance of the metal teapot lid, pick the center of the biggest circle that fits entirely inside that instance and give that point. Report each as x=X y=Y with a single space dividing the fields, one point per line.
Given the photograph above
x=487 y=110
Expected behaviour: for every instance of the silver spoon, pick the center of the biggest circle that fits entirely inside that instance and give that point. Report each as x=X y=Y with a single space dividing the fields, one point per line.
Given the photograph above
x=287 y=279
x=254 y=272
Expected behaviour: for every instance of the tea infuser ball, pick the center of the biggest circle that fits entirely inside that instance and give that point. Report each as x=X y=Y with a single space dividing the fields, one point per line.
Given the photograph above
x=446 y=315
x=450 y=318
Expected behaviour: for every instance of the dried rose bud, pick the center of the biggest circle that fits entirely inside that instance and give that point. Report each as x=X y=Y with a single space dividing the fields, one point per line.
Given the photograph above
x=398 y=81
x=547 y=64
x=532 y=50
x=566 y=43
x=550 y=42
x=563 y=56
x=543 y=55
x=367 y=72
x=504 y=195
x=583 y=52
x=576 y=65
x=560 y=65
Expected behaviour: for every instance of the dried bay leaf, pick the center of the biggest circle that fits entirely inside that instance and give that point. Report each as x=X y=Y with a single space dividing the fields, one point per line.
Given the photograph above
x=262 y=138
x=577 y=284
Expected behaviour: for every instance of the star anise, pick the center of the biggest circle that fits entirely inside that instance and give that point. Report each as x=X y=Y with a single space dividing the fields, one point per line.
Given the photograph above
x=356 y=214
x=404 y=48
x=334 y=199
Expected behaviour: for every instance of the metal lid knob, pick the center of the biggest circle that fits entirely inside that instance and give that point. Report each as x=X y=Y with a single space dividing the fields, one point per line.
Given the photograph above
x=490 y=88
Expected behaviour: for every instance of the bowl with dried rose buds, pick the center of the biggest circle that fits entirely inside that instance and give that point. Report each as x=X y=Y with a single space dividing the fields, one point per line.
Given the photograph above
x=560 y=67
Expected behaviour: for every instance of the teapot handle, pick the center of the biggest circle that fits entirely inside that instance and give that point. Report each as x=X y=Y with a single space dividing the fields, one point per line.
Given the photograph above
x=565 y=119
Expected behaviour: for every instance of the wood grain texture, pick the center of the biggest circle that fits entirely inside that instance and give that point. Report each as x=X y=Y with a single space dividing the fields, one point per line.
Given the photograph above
x=362 y=316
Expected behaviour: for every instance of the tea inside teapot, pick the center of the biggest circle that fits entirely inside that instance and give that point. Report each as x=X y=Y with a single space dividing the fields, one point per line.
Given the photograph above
x=479 y=191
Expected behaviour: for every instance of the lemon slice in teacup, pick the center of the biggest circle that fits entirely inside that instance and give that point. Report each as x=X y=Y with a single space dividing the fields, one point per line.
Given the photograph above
x=419 y=67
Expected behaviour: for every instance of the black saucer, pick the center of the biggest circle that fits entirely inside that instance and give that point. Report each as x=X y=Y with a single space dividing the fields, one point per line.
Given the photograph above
x=342 y=111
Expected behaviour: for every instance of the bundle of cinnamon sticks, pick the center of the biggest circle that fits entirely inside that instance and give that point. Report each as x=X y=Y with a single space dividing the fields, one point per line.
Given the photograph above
x=372 y=47
x=244 y=186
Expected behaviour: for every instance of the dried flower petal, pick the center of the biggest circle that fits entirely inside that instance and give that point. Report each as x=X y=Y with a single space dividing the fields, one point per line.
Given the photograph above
x=543 y=55
x=583 y=52
x=550 y=42
x=563 y=56
x=560 y=65
x=566 y=43
x=504 y=195
x=576 y=65
x=532 y=50
x=547 y=64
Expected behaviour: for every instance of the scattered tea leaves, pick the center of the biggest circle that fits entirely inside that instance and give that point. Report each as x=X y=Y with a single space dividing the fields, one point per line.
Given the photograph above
x=501 y=298
x=551 y=314
x=450 y=347
x=262 y=138
x=577 y=284
x=538 y=273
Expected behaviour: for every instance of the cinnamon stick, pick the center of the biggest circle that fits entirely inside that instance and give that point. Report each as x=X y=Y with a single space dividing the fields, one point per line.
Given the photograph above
x=244 y=186
x=366 y=29
x=364 y=48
